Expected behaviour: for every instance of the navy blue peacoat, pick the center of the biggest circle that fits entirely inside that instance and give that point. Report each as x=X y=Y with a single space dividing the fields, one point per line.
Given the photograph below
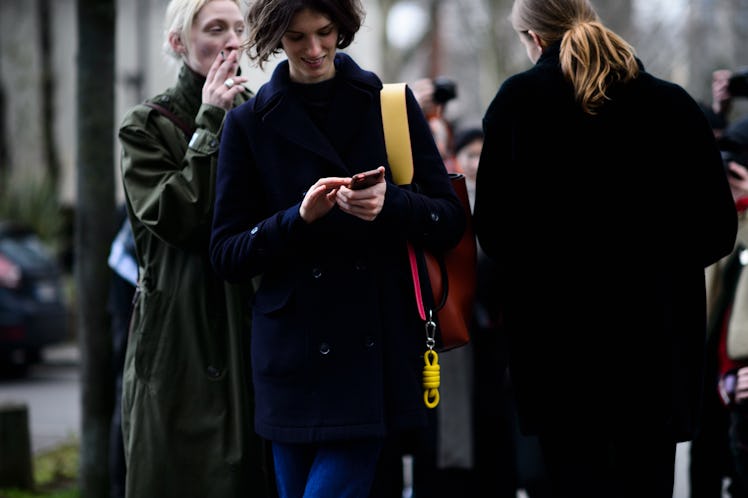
x=337 y=342
x=602 y=226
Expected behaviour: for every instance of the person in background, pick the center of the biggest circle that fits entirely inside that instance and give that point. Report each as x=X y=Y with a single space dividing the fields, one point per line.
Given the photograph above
x=709 y=461
x=432 y=95
x=718 y=122
x=337 y=342
x=727 y=85
x=722 y=97
x=187 y=400
x=729 y=316
x=468 y=144
x=602 y=287
x=124 y=265
x=718 y=110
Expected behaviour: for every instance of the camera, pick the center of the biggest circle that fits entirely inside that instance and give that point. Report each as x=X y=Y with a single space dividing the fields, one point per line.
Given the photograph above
x=444 y=90
x=737 y=85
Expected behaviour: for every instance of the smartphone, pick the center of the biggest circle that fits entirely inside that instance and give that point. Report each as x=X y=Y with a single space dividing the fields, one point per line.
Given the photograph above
x=366 y=179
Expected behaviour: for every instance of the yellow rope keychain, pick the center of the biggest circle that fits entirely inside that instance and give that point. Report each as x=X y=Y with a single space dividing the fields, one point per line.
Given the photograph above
x=431 y=379
x=431 y=369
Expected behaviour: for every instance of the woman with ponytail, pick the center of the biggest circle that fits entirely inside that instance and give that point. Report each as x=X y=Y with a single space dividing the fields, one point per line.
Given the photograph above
x=601 y=196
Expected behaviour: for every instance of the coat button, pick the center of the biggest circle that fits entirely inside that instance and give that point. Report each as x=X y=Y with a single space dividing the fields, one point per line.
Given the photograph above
x=316 y=273
x=369 y=341
x=434 y=217
x=213 y=372
x=324 y=348
x=254 y=230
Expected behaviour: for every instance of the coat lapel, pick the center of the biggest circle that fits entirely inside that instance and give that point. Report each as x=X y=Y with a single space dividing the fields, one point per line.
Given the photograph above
x=350 y=109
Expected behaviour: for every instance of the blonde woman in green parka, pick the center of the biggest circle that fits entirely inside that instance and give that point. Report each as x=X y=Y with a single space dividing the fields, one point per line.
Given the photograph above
x=187 y=402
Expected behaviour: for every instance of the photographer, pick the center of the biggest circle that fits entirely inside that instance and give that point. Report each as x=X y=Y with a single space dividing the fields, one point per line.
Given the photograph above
x=433 y=95
x=721 y=96
x=726 y=86
x=727 y=330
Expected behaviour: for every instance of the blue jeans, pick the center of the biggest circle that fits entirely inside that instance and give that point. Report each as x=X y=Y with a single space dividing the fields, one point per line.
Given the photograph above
x=330 y=470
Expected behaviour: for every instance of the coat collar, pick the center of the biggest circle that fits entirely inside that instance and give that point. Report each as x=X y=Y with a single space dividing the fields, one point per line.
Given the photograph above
x=354 y=91
x=189 y=90
x=552 y=55
x=345 y=69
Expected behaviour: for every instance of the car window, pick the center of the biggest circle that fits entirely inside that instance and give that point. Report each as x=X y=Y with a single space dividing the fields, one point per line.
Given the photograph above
x=26 y=251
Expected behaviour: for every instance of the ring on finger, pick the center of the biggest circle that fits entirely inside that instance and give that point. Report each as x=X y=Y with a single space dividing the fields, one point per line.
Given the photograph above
x=229 y=82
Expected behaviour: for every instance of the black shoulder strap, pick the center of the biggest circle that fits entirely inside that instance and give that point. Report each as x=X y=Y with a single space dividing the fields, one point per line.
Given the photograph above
x=187 y=129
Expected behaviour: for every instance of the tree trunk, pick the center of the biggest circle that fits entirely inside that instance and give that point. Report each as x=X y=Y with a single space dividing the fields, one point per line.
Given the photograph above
x=47 y=94
x=94 y=227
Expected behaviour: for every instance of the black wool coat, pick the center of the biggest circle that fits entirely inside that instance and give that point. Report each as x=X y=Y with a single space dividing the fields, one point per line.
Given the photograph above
x=337 y=343
x=602 y=227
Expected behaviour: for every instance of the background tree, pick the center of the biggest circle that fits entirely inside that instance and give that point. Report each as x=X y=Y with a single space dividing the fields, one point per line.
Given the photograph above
x=94 y=229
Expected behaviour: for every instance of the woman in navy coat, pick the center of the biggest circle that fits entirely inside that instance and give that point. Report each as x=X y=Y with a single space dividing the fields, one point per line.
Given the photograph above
x=337 y=343
x=601 y=196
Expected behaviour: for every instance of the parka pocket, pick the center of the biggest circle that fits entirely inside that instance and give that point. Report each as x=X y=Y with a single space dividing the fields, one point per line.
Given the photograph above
x=149 y=332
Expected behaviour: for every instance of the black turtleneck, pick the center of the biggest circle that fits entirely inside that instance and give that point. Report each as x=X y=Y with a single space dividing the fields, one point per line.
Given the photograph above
x=315 y=98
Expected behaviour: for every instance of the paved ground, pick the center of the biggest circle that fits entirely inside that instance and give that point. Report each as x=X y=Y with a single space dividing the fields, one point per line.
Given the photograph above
x=54 y=401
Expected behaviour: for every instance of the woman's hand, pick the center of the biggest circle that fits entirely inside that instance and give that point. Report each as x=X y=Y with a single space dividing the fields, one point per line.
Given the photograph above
x=320 y=198
x=741 y=388
x=721 y=97
x=222 y=84
x=365 y=203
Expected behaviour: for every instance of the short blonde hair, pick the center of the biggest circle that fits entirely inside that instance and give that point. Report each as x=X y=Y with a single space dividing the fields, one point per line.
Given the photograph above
x=180 y=15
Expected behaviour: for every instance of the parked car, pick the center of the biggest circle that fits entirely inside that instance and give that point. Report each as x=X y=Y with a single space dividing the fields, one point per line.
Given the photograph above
x=33 y=311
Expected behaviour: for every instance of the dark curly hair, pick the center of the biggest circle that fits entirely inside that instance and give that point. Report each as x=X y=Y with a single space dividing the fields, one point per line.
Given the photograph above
x=268 y=21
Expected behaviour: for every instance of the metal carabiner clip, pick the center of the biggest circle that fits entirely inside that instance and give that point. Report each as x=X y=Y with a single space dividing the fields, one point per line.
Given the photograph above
x=430 y=327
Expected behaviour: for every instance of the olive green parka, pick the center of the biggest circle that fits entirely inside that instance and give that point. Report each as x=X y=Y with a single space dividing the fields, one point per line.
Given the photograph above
x=187 y=400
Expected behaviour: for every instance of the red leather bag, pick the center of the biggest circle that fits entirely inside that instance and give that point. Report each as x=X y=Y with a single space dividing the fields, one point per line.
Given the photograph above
x=452 y=277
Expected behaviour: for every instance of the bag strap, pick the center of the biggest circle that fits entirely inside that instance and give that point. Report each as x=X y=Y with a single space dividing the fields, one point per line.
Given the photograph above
x=400 y=157
x=396 y=132
x=167 y=113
